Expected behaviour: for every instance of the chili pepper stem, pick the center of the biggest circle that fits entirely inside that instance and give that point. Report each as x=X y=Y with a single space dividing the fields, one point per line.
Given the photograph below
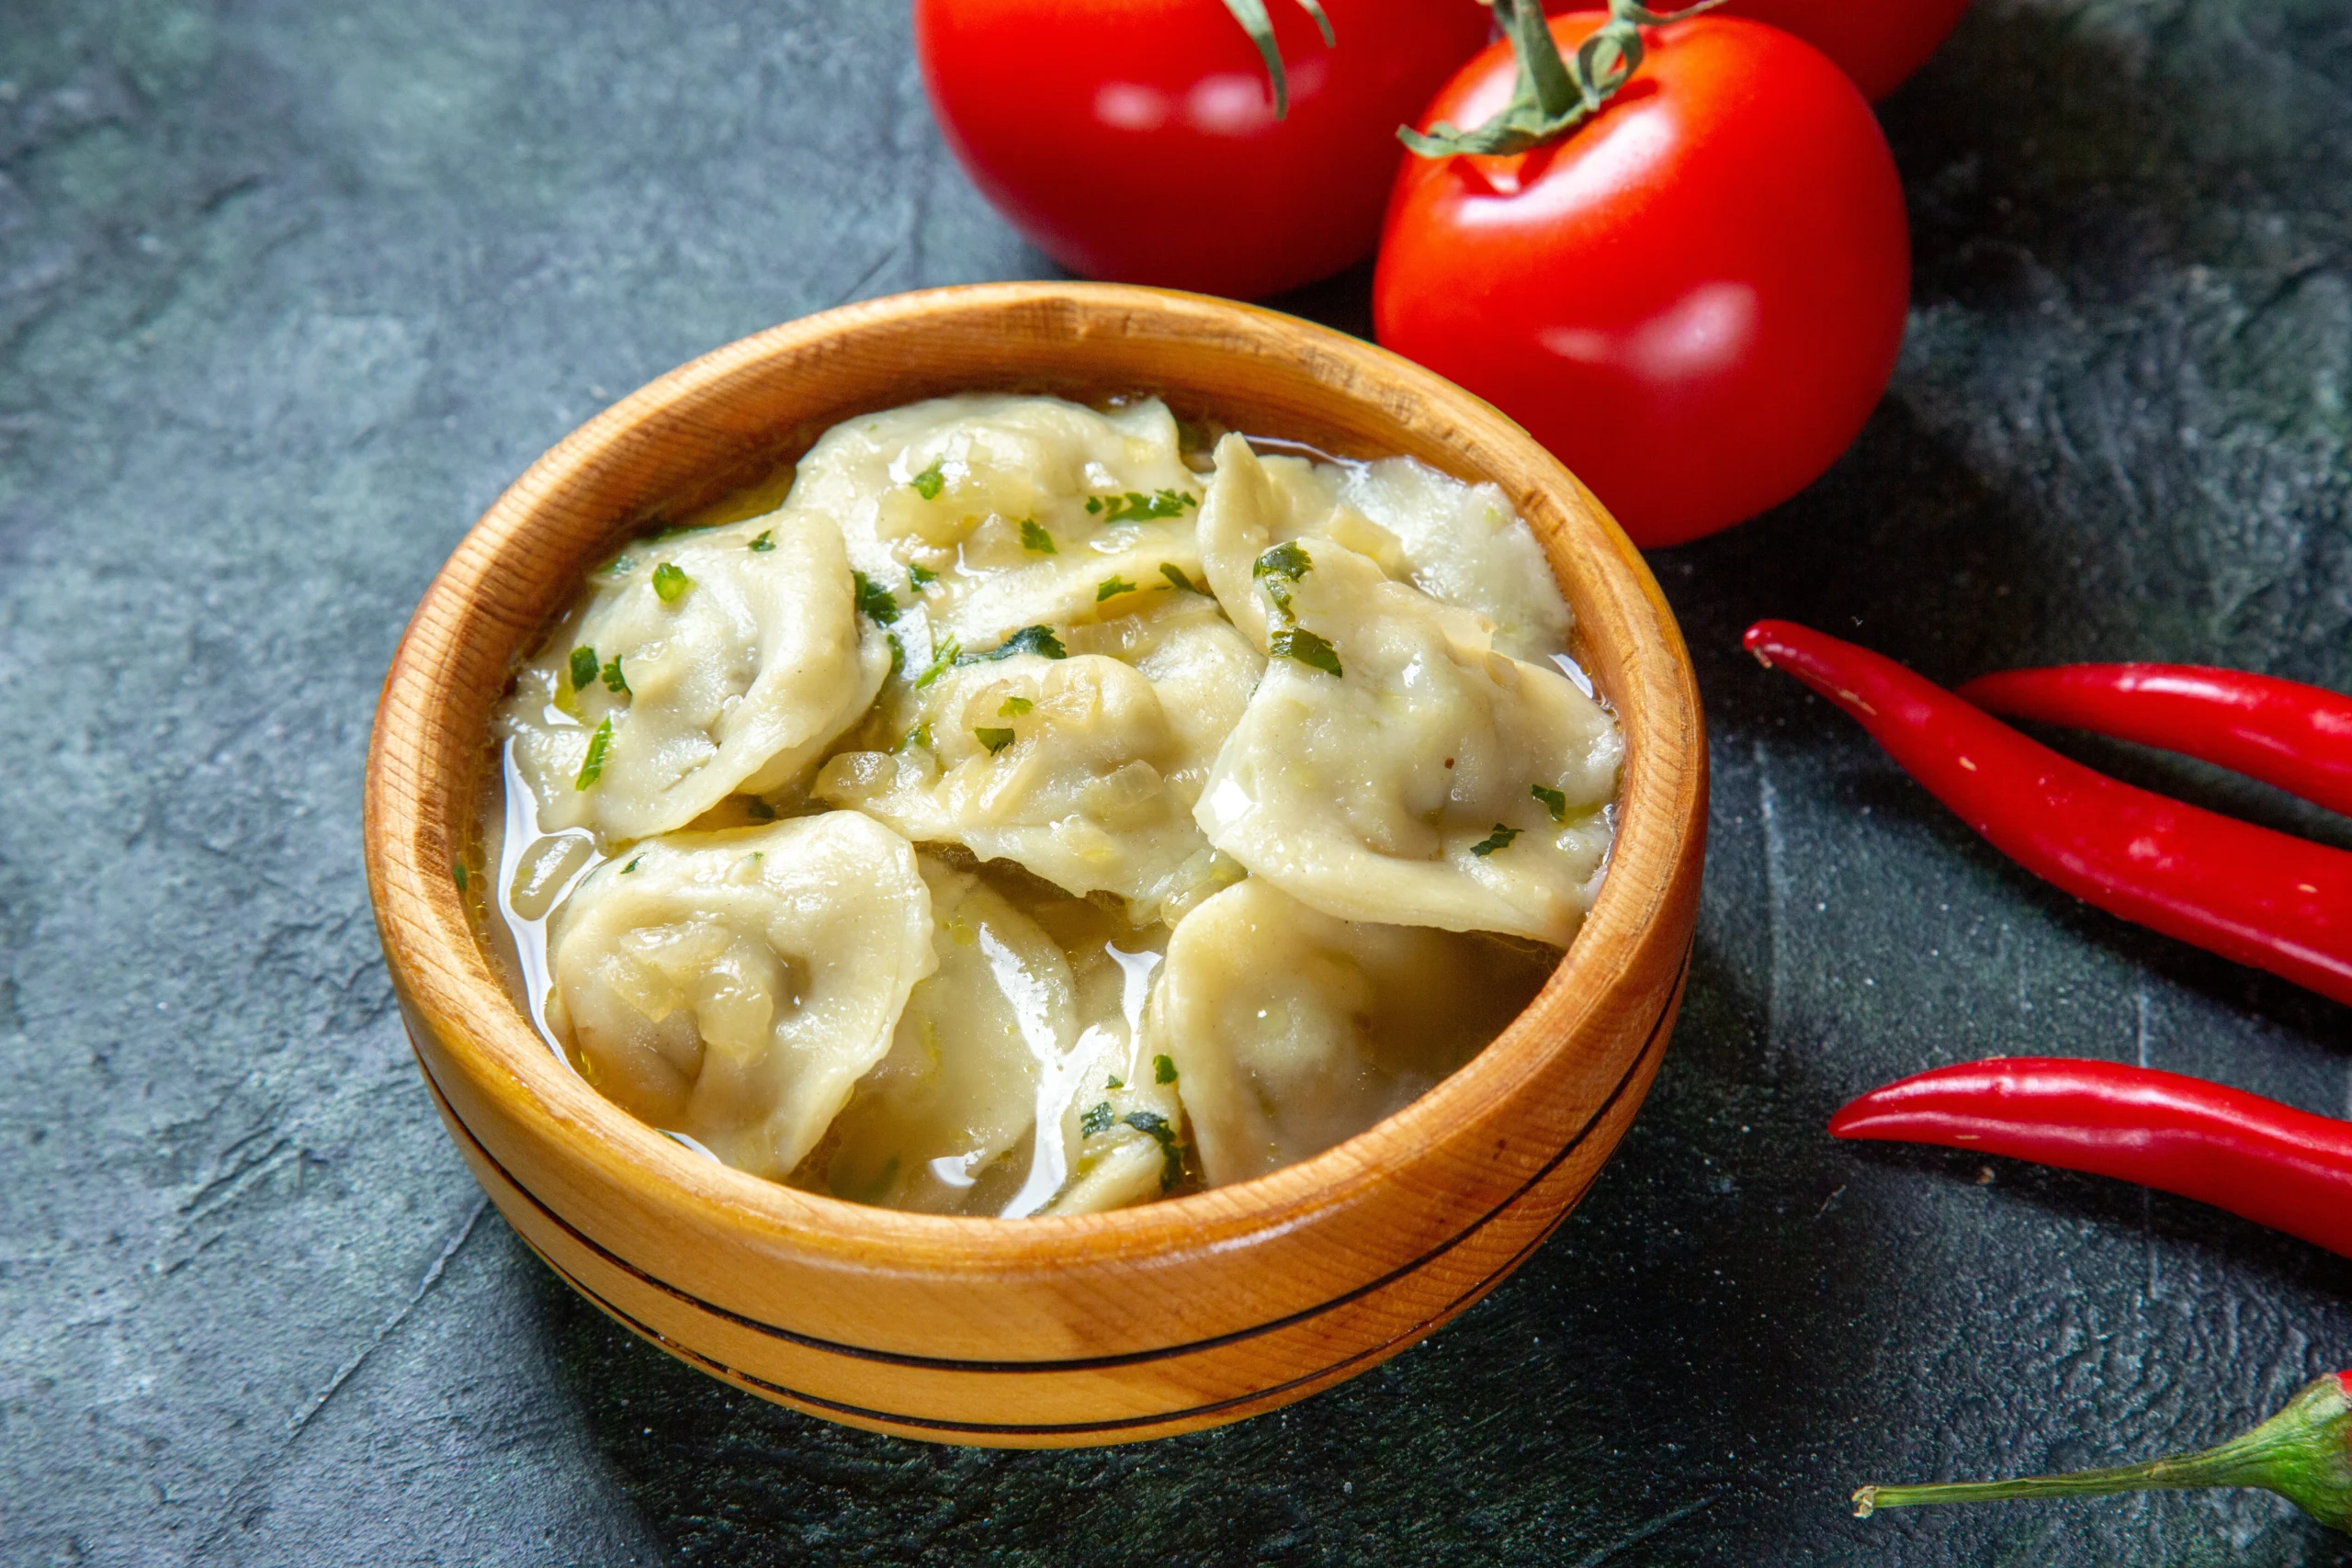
x=2304 y=1453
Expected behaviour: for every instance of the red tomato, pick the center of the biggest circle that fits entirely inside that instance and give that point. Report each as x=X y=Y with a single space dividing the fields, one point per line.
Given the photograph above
x=1135 y=140
x=1694 y=299
x=1877 y=42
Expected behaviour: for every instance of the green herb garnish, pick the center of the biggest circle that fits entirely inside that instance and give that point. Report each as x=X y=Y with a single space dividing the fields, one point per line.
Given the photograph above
x=1115 y=1083
x=1555 y=801
x=922 y=576
x=1172 y=1161
x=1298 y=643
x=1014 y=707
x=1499 y=839
x=593 y=768
x=930 y=482
x=765 y=542
x=1039 y=641
x=614 y=681
x=1175 y=574
x=457 y=873
x=944 y=658
x=632 y=865
x=583 y=668
x=1034 y=538
x=1135 y=507
x=919 y=736
x=669 y=584
x=1163 y=1069
x=873 y=599
x=993 y=739
x=1279 y=571
x=1111 y=588
x=1098 y=1120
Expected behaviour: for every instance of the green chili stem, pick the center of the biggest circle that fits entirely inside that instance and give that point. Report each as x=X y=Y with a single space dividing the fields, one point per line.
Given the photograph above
x=2304 y=1453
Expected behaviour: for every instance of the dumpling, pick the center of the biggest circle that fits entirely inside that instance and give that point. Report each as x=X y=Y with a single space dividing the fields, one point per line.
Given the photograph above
x=1291 y=1031
x=1118 y=1123
x=1391 y=767
x=726 y=660
x=1464 y=545
x=734 y=986
x=1460 y=544
x=1034 y=1012
x=991 y=512
x=942 y=1123
x=1081 y=767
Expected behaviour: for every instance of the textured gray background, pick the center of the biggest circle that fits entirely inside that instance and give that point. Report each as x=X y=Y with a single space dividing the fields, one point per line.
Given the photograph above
x=288 y=292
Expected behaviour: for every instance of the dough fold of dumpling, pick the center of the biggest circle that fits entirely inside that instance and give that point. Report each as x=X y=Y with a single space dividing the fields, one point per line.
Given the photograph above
x=1391 y=767
x=1291 y=1031
x=1460 y=544
x=714 y=661
x=1083 y=769
x=990 y=513
x=734 y=986
x=927 y=1128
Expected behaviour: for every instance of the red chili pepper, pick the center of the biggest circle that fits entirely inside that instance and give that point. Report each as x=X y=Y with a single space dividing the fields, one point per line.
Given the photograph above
x=2270 y=1163
x=2304 y=1453
x=2282 y=732
x=2266 y=898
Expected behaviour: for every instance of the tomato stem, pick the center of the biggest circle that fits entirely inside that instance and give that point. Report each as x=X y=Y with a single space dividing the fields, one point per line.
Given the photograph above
x=1251 y=15
x=1552 y=96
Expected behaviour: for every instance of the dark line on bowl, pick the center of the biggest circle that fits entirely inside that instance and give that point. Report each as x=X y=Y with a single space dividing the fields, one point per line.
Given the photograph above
x=718 y=1369
x=1085 y=1363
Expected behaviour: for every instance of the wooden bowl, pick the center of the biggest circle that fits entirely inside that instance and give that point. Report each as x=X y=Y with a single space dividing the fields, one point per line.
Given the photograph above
x=1035 y=1332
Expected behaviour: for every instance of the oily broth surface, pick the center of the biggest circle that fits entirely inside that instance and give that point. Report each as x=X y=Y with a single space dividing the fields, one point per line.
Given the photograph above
x=531 y=873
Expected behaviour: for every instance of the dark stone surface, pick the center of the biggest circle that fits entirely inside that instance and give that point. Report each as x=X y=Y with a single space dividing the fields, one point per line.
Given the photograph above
x=288 y=293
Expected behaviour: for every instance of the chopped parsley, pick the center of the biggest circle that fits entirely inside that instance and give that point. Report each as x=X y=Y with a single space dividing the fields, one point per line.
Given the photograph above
x=1028 y=640
x=634 y=862
x=930 y=482
x=1034 y=539
x=593 y=768
x=670 y=583
x=993 y=739
x=942 y=658
x=1111 y=588
x=1175 y=574
x=1298 y=643
x=1014 y=707
x=919 y=736
x=922 y=576
x=1115 y=1083
x=1499 y=839
x=583 y=667
x=1553 y=801
x=1163 y=1069
x=765 y=542
x=1286 y=559
x=760 y=811
x=1279 y=570
x=874 y=599
x=614 y=681
x=1133 y=507
x=457 y=873
x=1098 y=1120
x=1172 y=1161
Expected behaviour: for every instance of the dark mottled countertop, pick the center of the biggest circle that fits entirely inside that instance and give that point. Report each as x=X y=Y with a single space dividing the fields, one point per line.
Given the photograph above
x=288 y=292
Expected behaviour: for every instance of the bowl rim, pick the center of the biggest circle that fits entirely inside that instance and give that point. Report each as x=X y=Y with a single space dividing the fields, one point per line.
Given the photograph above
x=442 y=969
